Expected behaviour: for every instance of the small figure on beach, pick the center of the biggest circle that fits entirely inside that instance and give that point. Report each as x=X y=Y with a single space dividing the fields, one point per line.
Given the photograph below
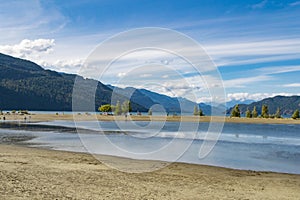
x=4 y=118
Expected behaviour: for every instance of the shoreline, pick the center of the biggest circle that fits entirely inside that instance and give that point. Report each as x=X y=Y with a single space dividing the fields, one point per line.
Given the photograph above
x=39 y=173
x=92 y=117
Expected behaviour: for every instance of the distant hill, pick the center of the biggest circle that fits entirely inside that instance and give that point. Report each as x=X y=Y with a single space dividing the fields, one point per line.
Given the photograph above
x=286 y=104
x=149 y=98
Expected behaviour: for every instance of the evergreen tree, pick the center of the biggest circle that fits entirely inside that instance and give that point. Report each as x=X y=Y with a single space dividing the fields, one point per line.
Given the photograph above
x=196 y=110
x=254 y=112
x=264 y=111
x=201 y=113
x=150 y=112
x=248 y=113
x=296 y=114
x=277 y=114
x=236 y=111
x=118 y=109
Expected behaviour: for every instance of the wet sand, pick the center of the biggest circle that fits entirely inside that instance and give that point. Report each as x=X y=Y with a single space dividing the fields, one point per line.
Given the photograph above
x=88 y=117
x=31 y=173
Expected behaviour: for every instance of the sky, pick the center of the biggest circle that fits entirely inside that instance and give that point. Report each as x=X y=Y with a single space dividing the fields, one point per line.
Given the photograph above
x=254 y=44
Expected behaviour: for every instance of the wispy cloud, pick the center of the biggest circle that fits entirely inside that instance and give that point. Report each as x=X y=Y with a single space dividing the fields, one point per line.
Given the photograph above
x=259 y=5
x=235 y=53
x=296 y=3
x=21 y=19
x=230 y=61
x=243 y=82
x=292 y=85
x=255 y=96
x=279 y=70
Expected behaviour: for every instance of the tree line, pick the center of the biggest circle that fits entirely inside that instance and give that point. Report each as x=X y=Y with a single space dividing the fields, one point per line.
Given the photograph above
x=118 y=109
x=264 y=113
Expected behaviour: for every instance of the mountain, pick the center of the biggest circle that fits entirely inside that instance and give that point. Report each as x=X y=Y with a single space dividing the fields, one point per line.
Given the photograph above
x=170 y=104
x=286 y=104
x=149 y=98
x=135 y=95
x=26 y=85
x=232 y=103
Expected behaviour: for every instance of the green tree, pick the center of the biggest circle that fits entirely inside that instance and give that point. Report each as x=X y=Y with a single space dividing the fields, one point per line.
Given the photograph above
x=150 y=112
x=254 y=112
x=118 y=109
x=105 y=108
x=296 y=114
x=277 y=114
x=201 y=112
x=236 y=111
x=248 y=113
x=126 y=107
x=196 y=110
x=264 y=111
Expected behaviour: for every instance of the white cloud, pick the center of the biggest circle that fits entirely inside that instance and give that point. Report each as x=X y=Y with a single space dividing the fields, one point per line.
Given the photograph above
x=29 y=49
x=67 y=66
x=292 y=85
x=38 y=50
x=255 y=96
x=121 y=74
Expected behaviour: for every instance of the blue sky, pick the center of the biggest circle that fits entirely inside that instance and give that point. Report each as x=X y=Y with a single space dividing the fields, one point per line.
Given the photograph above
x=255 y=44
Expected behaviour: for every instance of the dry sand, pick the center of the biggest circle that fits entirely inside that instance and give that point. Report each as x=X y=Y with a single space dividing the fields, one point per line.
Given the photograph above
x=31 y=173
x=83 y=117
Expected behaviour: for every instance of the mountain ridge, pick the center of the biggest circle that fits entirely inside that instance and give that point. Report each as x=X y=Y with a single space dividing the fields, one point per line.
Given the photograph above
x=26 y=85
x=286 y=104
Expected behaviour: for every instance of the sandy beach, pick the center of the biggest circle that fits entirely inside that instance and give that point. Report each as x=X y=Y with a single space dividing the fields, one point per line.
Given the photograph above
x=31 y=173
x=89 y=117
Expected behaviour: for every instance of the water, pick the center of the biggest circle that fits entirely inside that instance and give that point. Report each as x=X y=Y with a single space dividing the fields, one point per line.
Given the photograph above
x=257 y=147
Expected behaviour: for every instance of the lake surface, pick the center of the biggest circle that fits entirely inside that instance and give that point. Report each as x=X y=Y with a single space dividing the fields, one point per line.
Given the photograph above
x=260 y=147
